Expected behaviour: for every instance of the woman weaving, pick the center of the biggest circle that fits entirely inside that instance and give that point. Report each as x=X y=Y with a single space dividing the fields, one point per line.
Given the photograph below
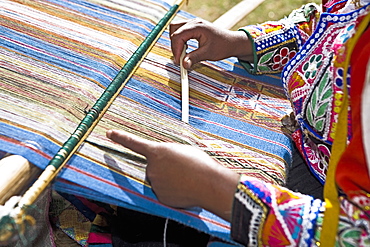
x=317 y=57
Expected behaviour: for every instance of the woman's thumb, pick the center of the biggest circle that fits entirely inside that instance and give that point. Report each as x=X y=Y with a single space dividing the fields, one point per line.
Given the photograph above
x=195 y=57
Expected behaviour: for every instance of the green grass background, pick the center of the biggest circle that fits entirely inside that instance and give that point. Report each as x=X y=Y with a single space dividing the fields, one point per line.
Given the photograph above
x=268 y=10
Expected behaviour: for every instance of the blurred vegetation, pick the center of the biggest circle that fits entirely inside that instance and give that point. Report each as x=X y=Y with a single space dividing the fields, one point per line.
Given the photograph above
x=268 y=10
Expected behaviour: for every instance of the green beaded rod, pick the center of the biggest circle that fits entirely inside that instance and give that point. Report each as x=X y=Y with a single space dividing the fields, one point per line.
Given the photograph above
x=96 y=112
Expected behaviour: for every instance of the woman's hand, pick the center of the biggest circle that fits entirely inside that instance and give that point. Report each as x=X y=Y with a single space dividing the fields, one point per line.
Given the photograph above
x=183 y=176
x=214 y=43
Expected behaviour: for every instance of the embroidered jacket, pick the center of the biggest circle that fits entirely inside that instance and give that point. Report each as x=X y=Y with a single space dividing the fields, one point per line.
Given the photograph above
x=315 y=52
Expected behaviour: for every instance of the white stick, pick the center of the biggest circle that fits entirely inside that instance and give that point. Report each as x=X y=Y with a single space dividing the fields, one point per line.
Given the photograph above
x=184 y=89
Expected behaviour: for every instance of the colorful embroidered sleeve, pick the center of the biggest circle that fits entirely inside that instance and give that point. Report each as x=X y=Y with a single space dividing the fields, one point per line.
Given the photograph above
x=269 y=215
x=276 y=42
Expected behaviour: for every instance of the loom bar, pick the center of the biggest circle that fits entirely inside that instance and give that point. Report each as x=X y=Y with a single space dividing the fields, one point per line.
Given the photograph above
x=235 y=14
x=16 y=172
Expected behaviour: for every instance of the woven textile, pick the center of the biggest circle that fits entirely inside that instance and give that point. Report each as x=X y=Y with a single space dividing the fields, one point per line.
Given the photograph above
x=58 y=56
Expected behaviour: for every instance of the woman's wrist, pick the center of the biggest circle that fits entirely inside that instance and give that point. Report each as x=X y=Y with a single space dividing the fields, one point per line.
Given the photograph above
x=242 y=46
x=219 y=193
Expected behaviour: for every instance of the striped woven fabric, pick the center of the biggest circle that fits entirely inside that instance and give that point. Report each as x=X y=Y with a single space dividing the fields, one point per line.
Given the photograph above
x=58 y=56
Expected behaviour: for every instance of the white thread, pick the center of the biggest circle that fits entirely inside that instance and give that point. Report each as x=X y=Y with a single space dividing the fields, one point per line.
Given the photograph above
x=164 y=233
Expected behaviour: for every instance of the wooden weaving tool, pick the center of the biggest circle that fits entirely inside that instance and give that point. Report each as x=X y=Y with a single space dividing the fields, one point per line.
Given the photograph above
x=184 y=89
x=16 y=172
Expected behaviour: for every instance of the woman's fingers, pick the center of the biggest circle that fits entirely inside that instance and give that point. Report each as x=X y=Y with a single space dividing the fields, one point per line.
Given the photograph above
x=181 y=33
x=135 y=143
